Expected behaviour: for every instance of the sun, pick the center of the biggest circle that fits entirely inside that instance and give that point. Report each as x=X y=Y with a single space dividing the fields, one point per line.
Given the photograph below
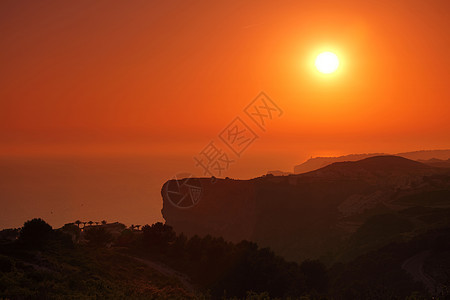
x=327 y=62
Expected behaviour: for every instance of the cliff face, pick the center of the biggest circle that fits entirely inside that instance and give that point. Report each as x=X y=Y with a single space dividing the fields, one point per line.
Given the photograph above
x=226 y=208
x=306 y=215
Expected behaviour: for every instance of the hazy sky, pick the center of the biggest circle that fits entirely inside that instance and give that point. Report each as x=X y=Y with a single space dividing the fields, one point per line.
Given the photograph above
x=168 y=76
x=135 y=89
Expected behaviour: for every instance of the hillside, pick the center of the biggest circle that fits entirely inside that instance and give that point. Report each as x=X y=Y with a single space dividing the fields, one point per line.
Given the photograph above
x=154 y=262
x=64 y=271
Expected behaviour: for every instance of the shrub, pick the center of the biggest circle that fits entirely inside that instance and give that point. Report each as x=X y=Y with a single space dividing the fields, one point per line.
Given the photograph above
x=158 y=235
x=35 y=233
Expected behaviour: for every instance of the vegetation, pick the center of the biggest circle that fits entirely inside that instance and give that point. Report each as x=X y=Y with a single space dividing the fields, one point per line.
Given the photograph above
x=221 y=268
x=35 y=233
x=98 y=236
x=157 y=263
x=60 y=269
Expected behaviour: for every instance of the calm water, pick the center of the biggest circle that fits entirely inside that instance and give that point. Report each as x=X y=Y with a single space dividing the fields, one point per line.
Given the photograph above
x=62 y=190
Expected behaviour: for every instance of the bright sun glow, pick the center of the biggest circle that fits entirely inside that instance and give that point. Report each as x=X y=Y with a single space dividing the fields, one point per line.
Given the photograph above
x=327 y=62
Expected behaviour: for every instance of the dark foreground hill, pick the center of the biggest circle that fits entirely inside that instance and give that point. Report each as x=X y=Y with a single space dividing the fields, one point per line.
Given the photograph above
x=156 y=263
x=152 y=263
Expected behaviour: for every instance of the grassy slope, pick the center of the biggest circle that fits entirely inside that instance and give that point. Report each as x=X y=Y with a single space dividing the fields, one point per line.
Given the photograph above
x=81 y=273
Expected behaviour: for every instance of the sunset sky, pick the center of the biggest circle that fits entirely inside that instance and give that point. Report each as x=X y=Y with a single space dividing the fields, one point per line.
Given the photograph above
x=85 y=76
x=166 y=77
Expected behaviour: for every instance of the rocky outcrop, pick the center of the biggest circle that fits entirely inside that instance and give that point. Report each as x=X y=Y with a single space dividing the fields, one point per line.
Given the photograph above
x=303 y=215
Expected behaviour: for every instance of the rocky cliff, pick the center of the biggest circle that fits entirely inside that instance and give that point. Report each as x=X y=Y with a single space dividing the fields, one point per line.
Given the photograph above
x=305 y=215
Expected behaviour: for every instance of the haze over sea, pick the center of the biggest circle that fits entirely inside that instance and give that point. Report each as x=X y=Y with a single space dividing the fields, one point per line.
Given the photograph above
x=115 y=188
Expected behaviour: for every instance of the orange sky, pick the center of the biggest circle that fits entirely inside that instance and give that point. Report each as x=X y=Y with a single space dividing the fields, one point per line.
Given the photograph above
x=103 y=101
x=168 y=76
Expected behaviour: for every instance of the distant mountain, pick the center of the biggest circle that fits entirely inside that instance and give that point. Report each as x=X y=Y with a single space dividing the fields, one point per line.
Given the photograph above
x=436 y=162
x=426 y=154
x=319 y=162
x=320 y=213
x=376 y=164
x=279 y=173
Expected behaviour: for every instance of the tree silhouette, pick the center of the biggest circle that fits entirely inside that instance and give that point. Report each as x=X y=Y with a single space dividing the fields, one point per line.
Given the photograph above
x=104 y=222
x=78 y=223
x=35 y=233
x=90 y=223
x=158 y=235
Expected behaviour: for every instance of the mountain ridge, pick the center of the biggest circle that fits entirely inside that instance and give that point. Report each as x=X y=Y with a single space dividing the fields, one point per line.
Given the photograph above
x=319 y=162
